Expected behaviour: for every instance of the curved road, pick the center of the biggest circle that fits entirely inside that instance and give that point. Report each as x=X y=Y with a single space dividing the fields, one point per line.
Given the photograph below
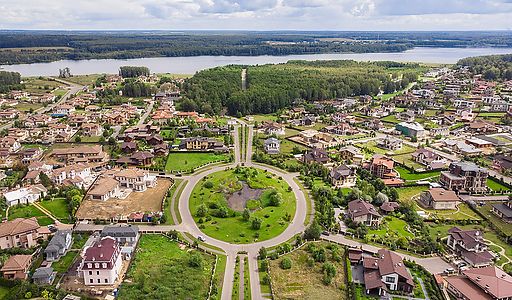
x=296 y=226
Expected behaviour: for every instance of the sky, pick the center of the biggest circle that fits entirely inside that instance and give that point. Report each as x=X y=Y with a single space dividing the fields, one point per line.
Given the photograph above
x=364 y=15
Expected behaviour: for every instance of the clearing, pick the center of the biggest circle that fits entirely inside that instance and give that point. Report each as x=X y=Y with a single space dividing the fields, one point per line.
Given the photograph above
x=187 y=161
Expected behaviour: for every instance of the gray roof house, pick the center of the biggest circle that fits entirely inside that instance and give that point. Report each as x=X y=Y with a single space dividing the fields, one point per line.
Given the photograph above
x=126 y=236
x=58 y=245
x=272 y=145
x=44 y=275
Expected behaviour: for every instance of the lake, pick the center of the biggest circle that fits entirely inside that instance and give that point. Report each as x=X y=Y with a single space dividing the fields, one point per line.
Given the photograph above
x=192 y=64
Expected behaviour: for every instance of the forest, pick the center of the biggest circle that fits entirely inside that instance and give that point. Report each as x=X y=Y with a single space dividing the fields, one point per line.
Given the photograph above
x=492 y=67
x=45 y=46
x=273 y=87
x=131 y=71
x=9 y=81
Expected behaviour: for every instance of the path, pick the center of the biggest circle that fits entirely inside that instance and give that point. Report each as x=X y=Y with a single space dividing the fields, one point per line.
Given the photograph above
x=149 y=109
x=45 y=211
x=502 y=252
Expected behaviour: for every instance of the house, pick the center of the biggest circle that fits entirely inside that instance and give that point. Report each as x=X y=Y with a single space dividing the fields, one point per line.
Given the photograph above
x=139 y=158
x=74 y=174
x=351 y=155
x=82 y=153
x=25 y=195
x=429 y=159
x=487 y=283
x=342 y=177
x=271 y=145
x=382 y=167
x=386 y=272
x=502 y=162
x=154 y=139
x=135 y=179
x=58 y=245
x=389 y=207
x=104 y=189
x=125 y=236
x=63 y=110
x=316 y=155
x=10 y=144
x=272 y=128
x=360 y=211
x=465 y=176
x=412 y=129
x=440 y=131
x=439 y=198
x=470 y=245
x=129 y=147
x=91 y=129
x=482 y=127
x=341 y=129
x=203 y=144
x=101 y=264
x=30 y=154
x=16 y=267
x=21 y=233
x=390 y=143
x=503 y=211
x=44 y=276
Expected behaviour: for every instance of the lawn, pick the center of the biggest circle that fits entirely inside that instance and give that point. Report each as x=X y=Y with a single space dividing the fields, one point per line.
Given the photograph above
x=406 y=159
x=26 y=106
x=79 y=240
x=304 y=279
x=161 y=269
x=40 y=85
x=464 y=212
x=232 y=228
x=491 y=217
x=4 y=291
x=84 y=79
x=63 y=264
x=262 y=118
x=372 y=146
x=409 y=176
x=219 y=275
x=167 y=205
x=496 y=186
x=90 y=139
x=186 y=161
x=29 y=211
x=390 y=119
x=406 y=193
x=58 y=207
x=392 y=225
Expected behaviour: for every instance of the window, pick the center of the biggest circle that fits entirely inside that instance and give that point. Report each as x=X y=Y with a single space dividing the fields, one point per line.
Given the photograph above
x=390 y=279
x=99 y=281
x=106 y=280
x=104 y=265
x=97 y=272
x=89 y=265
x=90 y=272
x=90 y=280
x=96 y=265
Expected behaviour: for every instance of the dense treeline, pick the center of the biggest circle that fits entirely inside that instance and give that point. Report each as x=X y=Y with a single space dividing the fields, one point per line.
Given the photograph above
x=9 y=81
x=133 y=71
x=273 y=87
x=492 y=67
x=137 y=89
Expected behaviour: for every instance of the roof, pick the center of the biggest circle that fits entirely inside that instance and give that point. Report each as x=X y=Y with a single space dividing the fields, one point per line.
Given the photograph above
x=341 y=171
x=467 y=288
x=390 y=262
x=389 y=206
x=101 y=250
x=383 y=160
x=130 y=173
x=78 y=150
x=58 y=241
x=43 y=273
x=16 y=263
x=372 y=280
x=504 y=209
x=442 y=195
x=120 y=231
x=468 y=166
x=491 y=279
x=470 y=238
x=360 y=208
x=18 y=226
x=103 y=186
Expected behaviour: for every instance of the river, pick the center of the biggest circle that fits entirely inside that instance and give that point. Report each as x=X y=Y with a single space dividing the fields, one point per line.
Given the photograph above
x=192 y=64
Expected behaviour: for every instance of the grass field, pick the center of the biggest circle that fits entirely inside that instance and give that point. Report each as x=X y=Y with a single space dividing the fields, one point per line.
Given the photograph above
x=495 y=185
x=409 y=176
x=39 y=85
x=463 y=212
x=406 y=193
x=372 y=146
x=4 y=291
x=26 y=106
x=219 y=275
x=187 y=161
x=392 y=225
x=161 y=269
x=58 y=207
x=303 y=281
x=390 y=119
x=84 y=79
x=29 y=211
x=167 y=205
x=64 y=262
x=491 y=217
x=233 y=228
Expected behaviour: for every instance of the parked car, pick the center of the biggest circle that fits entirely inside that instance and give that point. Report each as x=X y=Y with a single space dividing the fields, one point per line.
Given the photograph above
x=201 y=238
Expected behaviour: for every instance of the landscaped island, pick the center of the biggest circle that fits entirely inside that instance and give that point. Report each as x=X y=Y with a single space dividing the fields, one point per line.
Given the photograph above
x=242 y=205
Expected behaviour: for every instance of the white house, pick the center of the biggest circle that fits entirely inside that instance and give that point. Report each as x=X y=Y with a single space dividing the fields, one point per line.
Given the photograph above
x=25 y=195
x=135 y=179
x=102 y=262
x=272 y=146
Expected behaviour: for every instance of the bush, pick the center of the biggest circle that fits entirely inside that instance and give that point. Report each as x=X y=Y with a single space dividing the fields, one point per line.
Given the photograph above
x=256 y=223
x=208 y=184
x=286 y=263
x=195 y=260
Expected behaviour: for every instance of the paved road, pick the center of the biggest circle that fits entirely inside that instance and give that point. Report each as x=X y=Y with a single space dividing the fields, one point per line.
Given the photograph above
x=148 y=110
x=483 y=198
x=434 y=265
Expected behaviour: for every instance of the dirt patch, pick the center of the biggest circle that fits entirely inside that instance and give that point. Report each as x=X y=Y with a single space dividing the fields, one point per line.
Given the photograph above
x=148 y=201
x=238 y=200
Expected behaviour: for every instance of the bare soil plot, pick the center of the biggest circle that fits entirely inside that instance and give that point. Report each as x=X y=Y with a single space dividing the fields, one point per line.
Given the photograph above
x=148 y=201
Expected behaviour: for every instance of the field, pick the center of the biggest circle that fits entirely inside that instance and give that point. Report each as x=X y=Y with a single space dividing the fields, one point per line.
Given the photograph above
x=161 y=269
x=304 y=281
x=84 y=79
x=186 y=161
x=408 y=176
x=495 y=185
x=29 y=211
x=148 y=201
x=406 y=193
x=40 y=85
x=26 y=106
x=372 y=146
x=58 y=208
x=232 y=228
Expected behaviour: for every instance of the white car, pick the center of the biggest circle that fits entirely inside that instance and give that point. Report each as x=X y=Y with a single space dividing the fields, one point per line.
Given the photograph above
x=201 y=238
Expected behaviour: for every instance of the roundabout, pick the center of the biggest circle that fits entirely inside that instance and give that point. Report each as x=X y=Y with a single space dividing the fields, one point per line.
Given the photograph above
x=224 y=232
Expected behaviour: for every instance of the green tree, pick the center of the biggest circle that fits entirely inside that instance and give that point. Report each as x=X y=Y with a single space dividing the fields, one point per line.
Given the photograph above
x=195 y=260
x=246 y=215
x=286 y=263
x=256 y=223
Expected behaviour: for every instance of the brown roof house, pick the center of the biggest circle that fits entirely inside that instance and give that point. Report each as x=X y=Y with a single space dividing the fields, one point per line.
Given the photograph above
x=487 y=283
x=316 y=155
x=342 y=177
x=363 y=212
x=16 y=267
x=386 y=272
x=439 y=198
x=470 y=245
x=104 y=189
x=21 y=233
